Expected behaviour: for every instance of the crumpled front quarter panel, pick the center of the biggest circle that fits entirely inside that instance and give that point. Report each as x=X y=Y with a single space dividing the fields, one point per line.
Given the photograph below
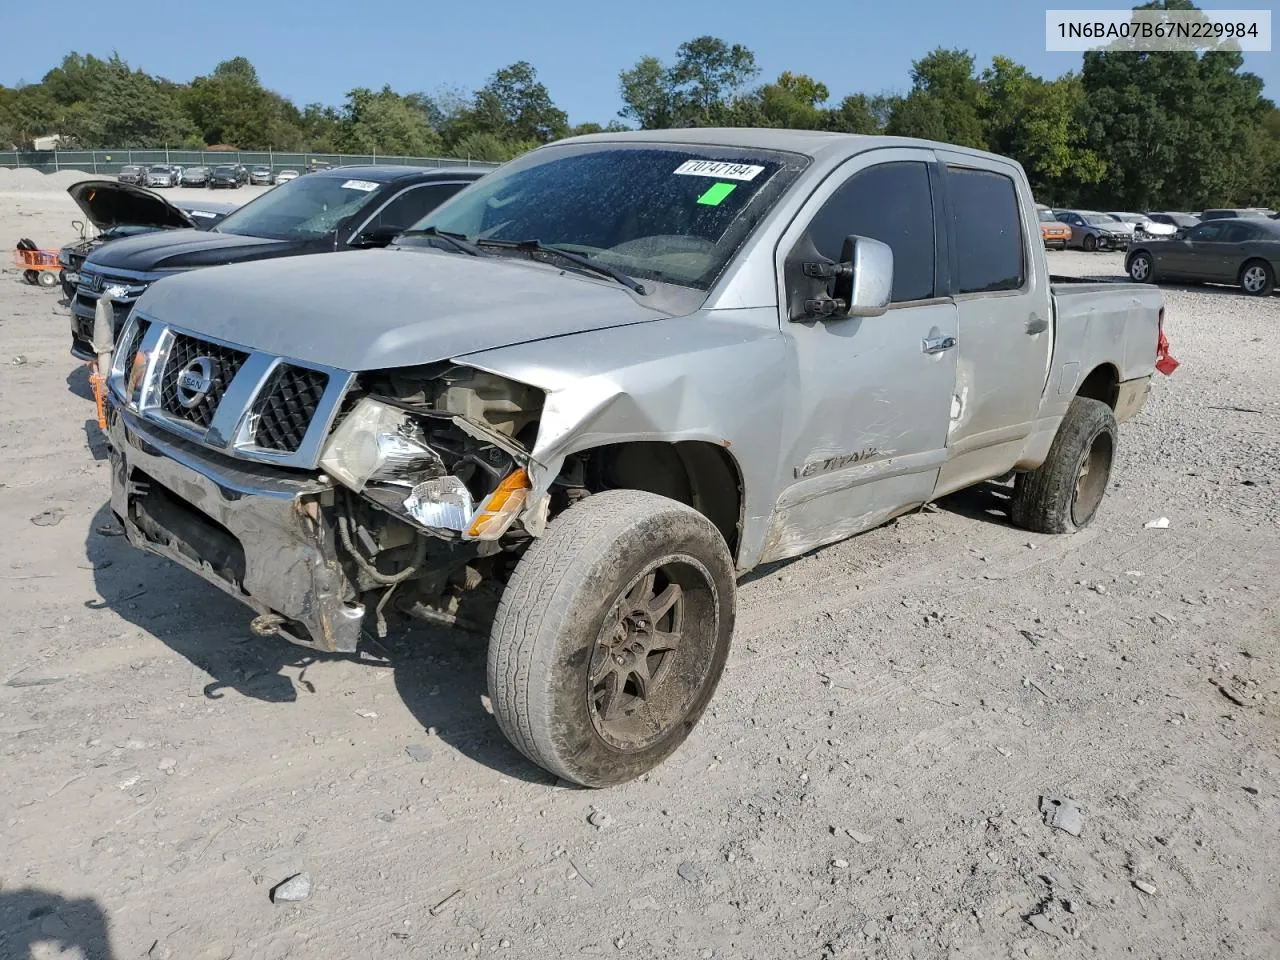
x=712 y=376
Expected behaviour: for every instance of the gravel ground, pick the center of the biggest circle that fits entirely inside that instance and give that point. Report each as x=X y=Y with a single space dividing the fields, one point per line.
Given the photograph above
x=867 y=784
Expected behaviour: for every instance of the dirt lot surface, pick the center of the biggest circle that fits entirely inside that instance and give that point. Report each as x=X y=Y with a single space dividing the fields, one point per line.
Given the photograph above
x=867 y=784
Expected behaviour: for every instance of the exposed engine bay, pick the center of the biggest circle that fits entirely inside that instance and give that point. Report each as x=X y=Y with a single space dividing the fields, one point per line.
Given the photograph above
x=433 y=499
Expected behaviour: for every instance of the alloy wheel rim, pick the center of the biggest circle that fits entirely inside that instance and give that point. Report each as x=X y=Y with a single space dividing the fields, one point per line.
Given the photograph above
x=1091 y=479
x=653 y=653
x=1254 y=278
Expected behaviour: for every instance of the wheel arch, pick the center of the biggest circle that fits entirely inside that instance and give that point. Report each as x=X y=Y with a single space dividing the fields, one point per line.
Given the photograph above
x=1102 y=383
x=697 y=473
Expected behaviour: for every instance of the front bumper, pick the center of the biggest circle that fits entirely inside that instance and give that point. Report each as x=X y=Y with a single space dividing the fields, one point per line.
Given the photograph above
x=262 y=535
x=1113 y=243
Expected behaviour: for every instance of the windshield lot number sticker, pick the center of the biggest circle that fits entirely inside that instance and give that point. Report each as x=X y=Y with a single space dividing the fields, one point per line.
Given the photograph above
x=721 y=169
x=364 y=185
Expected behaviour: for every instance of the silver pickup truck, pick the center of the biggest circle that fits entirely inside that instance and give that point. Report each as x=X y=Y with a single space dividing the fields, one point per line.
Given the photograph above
x=592 y=390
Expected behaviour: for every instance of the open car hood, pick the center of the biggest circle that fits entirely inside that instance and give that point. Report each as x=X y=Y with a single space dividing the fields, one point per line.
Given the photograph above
x=109 y=203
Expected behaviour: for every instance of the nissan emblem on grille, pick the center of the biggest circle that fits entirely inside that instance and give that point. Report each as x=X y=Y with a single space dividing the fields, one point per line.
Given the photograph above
x=195 y=381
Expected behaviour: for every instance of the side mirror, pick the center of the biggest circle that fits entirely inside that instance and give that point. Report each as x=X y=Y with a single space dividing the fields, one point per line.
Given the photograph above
x=377 y=236
x=860 y=285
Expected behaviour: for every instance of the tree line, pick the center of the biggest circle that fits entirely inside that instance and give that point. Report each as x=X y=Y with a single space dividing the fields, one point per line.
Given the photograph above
x=1130 y=130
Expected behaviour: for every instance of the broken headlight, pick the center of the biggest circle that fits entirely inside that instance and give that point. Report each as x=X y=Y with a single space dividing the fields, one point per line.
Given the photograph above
x=377 y=441
x=381 y=450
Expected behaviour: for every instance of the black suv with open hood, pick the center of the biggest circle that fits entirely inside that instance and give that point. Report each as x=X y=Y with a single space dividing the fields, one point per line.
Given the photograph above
x=116 y=210
x=342 y=209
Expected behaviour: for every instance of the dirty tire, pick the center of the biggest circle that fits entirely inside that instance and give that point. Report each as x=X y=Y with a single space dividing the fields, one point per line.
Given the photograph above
x=31 y=276
x=1061 y=495
x=1257 y=278
x=560 y=611
x=1141 y=268
x=1090 y=243
x=47 y=278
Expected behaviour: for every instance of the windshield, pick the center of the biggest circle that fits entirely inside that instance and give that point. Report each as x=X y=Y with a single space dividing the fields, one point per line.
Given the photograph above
x=304 y=208
x=1046 y=216
x=1128 y=217
x=672 y=213
x=1098 y=218
x=159 y=169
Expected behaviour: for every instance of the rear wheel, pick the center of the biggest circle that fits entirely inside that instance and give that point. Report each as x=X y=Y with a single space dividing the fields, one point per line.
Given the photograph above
x=31 y=276
x=1140 y=268
x=1090 y=243
x=1257 y=278
x=611 y=637
x=1062 y=495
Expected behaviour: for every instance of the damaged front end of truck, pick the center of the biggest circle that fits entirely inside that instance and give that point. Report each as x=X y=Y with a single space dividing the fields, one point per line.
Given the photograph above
x=319 y=497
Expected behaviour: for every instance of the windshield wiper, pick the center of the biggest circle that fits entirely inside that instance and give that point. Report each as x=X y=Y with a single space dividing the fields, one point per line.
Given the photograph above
x=537 y=246
x=457 y=240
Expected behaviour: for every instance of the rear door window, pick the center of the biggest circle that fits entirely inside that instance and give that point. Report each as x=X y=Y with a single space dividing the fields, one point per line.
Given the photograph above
x=988 y=231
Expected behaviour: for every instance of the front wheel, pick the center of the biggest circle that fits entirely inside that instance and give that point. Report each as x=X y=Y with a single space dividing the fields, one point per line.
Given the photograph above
x=1257 y=278
x=31 y=276
x=1140 y=268
x=611 y=637
x=1090 y=243
x=1062 y=495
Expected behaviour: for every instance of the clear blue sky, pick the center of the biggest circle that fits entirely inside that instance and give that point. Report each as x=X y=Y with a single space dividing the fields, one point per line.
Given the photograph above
x=316 y=50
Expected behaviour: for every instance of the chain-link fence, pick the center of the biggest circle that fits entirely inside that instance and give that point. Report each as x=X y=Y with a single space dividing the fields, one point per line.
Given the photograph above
x=110 y=161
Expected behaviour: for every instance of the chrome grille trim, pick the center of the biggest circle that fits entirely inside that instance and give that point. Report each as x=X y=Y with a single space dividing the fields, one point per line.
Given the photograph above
x=233 y=428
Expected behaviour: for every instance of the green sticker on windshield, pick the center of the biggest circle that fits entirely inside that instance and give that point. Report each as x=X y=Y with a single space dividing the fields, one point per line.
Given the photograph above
x=715 y=196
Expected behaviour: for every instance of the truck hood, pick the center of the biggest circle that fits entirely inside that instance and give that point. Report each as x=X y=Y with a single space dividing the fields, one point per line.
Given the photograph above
x=379 y=309
x=109 y=203
x=184 y=249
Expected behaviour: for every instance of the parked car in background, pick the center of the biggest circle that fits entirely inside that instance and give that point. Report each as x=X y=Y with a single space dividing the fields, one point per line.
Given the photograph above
x=260 y=175
x=353 y=208
x=1229 y=213
x=1179 y=221
x=131 y=173
x=1243 y=251
x=115 y=210
x=1144 y=225
x=284 y=176
x=195 y=177
x=314 y=166
x=605 y=384
x=228 y=175
x=1053 y=231
x=1091 y=230
x=159 y=175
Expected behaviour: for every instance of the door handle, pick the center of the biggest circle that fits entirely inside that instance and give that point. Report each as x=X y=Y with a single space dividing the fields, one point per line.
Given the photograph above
x=937 y=344
x=1037 y=325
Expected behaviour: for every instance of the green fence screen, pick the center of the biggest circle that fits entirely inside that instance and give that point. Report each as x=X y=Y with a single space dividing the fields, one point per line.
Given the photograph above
x=110 y=161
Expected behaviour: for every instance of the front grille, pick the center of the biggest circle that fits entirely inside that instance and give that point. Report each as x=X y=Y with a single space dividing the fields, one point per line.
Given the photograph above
x=286 y=406
x=87 y=301
x=184 y=351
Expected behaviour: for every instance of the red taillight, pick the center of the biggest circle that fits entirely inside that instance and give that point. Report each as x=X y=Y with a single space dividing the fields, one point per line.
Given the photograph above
x=1165 y=362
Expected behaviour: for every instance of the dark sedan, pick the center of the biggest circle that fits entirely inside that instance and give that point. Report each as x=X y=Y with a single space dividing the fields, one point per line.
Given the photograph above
x=229 y=175
x=1244 y=252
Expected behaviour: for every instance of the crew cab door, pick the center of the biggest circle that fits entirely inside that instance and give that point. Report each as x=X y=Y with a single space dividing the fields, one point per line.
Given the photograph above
x=865 y=428
x=1001 y=288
